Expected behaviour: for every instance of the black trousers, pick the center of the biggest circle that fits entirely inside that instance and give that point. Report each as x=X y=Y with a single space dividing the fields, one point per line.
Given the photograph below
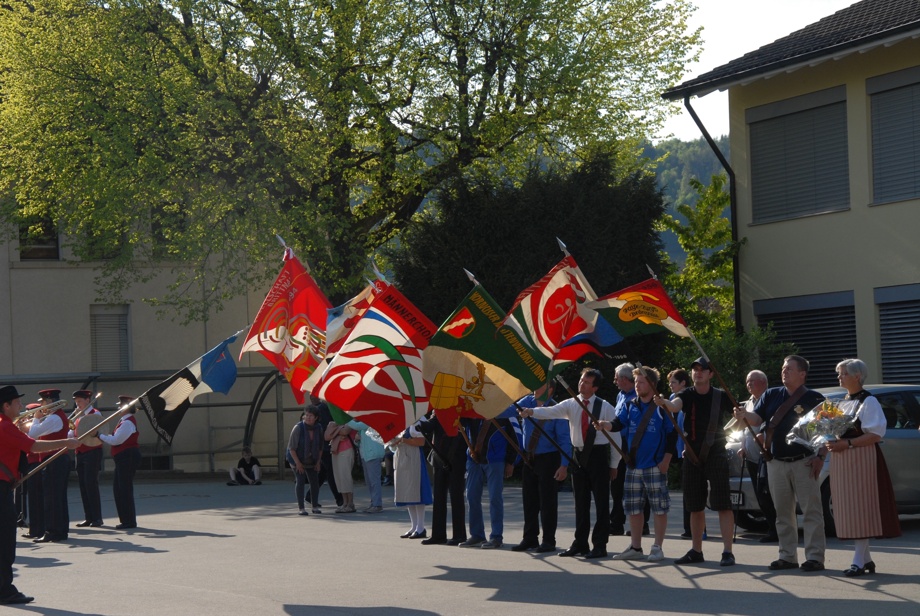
x=540 y=492
x=36 y=496
x=8 y=515
x=449 y=483
x=593 y=480
x=126 y=465
x=89 y=465
x=54 y=481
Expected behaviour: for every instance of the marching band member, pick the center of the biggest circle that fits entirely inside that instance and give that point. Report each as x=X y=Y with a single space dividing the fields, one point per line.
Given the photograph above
x=12 y=442
x=127 y=456
x=89 y=463
x=53 y=426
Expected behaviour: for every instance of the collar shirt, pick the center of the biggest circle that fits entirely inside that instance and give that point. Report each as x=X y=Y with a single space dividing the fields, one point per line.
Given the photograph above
x=45 y=425
x=571 y=409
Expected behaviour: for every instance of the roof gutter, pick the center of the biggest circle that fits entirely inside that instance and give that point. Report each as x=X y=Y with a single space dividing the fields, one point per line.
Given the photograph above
x=733 y=208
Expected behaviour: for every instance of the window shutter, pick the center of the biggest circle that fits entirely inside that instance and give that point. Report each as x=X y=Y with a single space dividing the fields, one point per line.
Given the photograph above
x=823 y=337
x=896 y=144
x=800 y=164
x=899 y=329
x=109 y=332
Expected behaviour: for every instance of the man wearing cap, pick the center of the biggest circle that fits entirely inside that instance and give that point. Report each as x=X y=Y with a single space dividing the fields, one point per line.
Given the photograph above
x=793 y=471
x=706 y=409
x=12 y=442
x=50 y=427
x=89 y=461
x=127 y=456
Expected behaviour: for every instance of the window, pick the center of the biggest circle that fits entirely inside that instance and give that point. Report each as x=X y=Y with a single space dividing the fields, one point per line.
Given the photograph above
x=110 y=341
x=38 y=241
x=823 y=328
x=895 y=105
x=899 y=332
x=799 y=160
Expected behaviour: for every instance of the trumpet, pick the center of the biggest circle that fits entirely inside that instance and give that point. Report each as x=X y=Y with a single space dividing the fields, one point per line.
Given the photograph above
x=47 y=407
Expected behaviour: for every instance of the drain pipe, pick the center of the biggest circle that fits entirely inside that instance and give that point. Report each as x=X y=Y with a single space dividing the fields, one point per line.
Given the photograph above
x=733 y=208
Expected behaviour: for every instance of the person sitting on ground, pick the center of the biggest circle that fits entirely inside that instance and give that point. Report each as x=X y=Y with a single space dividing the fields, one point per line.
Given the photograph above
x=247 y=471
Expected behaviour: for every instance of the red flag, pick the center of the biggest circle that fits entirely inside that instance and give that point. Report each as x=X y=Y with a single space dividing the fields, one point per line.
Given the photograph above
x=290 y=328
x=376 y=377
x=552 y=311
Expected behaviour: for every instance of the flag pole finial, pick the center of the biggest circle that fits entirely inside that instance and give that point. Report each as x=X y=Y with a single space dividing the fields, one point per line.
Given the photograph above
x=651 y=271
x=470 y=276
x=562 y=247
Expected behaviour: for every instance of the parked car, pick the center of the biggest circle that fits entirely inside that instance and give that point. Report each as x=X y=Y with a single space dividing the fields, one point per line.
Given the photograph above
x=901 y=446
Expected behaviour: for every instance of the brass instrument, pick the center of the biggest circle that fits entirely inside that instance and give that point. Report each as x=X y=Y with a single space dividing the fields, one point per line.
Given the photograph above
x=77 y=412
x=47 y=407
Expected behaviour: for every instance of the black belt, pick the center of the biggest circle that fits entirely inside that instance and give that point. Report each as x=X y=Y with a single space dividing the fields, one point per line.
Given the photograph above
x=794 y=458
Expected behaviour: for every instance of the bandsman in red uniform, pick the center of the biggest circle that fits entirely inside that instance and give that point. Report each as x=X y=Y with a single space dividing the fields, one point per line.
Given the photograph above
x=12 y=442
x=89 y=462
x=53 y=426
x=127 y=456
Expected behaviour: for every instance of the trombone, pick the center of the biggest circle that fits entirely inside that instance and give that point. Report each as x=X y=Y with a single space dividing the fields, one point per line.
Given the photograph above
x=47 y=407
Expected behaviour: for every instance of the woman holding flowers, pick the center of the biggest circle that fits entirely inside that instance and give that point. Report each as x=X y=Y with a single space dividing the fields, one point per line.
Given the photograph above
x=864 y=504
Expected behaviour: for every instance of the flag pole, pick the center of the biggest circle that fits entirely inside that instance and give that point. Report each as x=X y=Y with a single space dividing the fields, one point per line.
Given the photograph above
x=585 y=410
x=61 y=452
x=539 y=428
x=511 y=441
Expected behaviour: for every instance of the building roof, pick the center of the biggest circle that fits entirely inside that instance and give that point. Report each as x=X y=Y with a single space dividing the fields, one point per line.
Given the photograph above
x=863 y=25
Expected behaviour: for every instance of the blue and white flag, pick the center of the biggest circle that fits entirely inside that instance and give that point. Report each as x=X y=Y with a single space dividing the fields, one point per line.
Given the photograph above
x=165 y=404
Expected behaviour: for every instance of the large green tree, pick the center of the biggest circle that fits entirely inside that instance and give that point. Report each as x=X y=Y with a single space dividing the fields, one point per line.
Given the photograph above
x=189 y=132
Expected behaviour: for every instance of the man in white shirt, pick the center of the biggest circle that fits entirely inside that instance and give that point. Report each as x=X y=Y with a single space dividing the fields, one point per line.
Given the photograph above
x=597 y=463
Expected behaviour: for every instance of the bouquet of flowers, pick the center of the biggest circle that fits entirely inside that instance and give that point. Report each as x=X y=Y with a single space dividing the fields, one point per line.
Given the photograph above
x=826 y=422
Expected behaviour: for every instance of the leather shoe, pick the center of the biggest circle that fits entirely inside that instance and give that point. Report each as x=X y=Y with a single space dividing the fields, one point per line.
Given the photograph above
x=84 y=523
x=769 y=539
x=596 y=553
x=543 y=548
x=420 y=535
x=780 y=564
x=434 y=541
x=455 y=542
x=125 y=526
x=16 y=598
x=96 y=524
x=29 y=536
x=49 y=538
x=854 y=571
x=573 y=551
x=812 y=565
x=407 y=535
x=523 y=546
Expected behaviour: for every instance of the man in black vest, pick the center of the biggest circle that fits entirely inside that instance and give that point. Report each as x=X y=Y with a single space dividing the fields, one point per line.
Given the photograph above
x=705 y=470
x=598 y=462
x=793 y=471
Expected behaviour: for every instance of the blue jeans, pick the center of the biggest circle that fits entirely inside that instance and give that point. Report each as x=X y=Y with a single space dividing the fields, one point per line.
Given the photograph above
x=476 y=475
x=372 y=479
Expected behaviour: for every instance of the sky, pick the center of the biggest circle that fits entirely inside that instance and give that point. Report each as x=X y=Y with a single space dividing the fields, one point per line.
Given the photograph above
x=732 y=28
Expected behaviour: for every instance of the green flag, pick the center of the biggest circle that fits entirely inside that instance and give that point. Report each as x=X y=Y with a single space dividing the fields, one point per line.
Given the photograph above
x=474 y=366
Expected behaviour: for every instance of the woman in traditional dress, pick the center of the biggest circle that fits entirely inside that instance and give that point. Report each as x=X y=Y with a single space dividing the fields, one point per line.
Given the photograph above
x=864 y=505
x=411 y=488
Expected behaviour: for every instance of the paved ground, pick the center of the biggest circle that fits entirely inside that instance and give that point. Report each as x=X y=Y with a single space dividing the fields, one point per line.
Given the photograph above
x=204 y=548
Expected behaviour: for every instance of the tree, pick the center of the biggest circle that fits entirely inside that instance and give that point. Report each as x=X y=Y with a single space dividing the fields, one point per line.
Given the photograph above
x=703 y=292
x=506 y=236
x=189 y=133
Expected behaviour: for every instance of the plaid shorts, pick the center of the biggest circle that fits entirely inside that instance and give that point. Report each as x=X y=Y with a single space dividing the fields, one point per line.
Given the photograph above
x=646 y=484
x=711 y=479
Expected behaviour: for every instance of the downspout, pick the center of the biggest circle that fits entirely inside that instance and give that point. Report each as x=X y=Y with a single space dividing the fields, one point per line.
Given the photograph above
x=733 y=208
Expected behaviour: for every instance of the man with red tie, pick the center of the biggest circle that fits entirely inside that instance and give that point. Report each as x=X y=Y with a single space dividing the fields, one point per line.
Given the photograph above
x=597 y=462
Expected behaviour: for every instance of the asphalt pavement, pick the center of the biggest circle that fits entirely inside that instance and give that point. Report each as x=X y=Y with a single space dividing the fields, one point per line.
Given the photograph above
x=204 y=548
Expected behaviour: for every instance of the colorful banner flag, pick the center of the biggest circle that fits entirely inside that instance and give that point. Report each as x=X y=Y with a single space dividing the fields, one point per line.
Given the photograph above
x=376 y=376
x=552 y=311
x=477 y=368
x=290 y=328
x=644 y=308
x=339 y=323
x=165 y=404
